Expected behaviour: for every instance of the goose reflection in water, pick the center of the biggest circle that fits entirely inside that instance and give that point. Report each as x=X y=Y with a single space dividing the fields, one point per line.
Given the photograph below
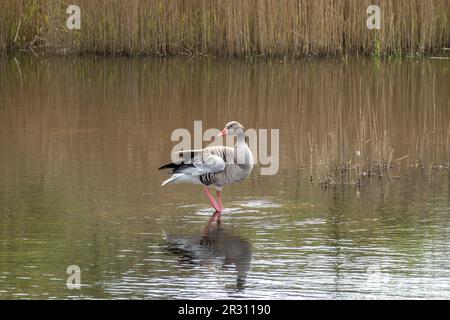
x=215 y=247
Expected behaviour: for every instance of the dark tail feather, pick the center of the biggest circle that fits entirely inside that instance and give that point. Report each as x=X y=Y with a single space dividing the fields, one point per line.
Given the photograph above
x=169 y=166
x=188 y=155
x=176 y=167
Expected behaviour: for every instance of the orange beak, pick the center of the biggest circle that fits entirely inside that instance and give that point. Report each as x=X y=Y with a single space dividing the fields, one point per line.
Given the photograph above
x=222 y=133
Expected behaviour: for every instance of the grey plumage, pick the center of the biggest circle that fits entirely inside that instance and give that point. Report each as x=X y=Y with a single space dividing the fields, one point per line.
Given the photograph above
x=214 y=166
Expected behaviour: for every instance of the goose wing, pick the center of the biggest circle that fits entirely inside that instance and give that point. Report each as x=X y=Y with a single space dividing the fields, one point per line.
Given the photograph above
x=205 y=161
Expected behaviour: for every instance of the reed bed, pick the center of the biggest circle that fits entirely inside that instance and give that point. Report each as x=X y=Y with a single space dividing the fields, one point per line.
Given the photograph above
x=235 y=28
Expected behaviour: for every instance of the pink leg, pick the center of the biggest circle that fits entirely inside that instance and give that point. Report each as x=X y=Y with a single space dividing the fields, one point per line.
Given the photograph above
x=212 y=200
x=219 y=198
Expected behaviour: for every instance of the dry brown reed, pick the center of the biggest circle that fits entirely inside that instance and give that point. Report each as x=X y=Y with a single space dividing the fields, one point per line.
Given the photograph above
x=243 y=28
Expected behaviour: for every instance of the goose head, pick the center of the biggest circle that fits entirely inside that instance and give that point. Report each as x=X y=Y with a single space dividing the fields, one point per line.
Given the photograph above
x=232 y=128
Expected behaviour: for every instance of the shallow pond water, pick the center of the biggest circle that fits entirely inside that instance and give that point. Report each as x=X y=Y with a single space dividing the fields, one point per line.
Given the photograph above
x=81 y=140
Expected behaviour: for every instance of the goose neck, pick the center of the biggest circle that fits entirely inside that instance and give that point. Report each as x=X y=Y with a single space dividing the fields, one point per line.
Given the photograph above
x=240 y=137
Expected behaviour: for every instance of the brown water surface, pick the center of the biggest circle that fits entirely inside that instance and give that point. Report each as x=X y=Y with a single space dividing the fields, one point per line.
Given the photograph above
x=360 y=207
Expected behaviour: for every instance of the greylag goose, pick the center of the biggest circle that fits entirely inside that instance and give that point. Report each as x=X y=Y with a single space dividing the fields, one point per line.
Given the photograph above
x=214 y=166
